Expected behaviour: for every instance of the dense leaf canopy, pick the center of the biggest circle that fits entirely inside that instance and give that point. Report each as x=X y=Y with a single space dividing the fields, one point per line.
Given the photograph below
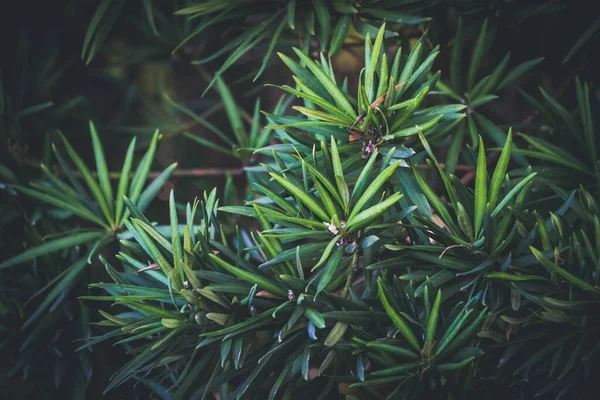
x=401 y=214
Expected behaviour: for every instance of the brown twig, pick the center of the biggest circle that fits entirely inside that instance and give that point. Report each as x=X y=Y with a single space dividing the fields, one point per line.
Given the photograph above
x=151 y=267
x=193 y=172
x=467 y=178
x=460 y=167
x=452 y=247
x=201 y=172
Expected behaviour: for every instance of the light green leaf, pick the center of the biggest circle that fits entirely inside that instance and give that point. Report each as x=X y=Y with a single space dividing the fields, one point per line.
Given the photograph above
x=339 y=34
x=455 y=365
x=338 y=96
x=306 y=198
x=432 y=325
x=480 y=189
x=175 y=236
x=506 y=276
x=233 y=113
x=500 y=171
x=363 y=178
x=372 y=67
x=141 y=173
x=336 y=333
x=370 y=214
x=330 y=269
x=124 y=182
x=101 y=167
x=315 y=317
x=155 y=187
x=373 y=188
x=338 y=172
x=89 y=179
x=251 y=278
x=321 y=116
x=513 y=192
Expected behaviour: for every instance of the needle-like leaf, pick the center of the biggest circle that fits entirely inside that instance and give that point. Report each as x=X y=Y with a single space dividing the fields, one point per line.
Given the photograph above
x=397 y=319
x=480 y=189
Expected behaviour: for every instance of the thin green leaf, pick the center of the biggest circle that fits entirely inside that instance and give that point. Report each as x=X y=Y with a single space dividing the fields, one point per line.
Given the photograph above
x=152 y=190
x=141 y=173
x=291 y=14
x=480 y=188
x=500 y=172
x=89 y=179
x=455 y=60
x=562 y=272
x=372 y=213
x=233 y=113
x=513 y=192
x=339 y=34
x=324 y=22
x=372 y=66
x=104 y=5
x=251 y=278
x=338 y=96
x=274 y=41
x=330 y=269
x=432 y=325
x=397 y=319
x=150 y=15
x=338 y=173
x=373 y=188
x=306 y=198
x=73 y=239
x=477 y=55
x=581 y=41
x=101 y=167
x=124 y=182
x=72 y=207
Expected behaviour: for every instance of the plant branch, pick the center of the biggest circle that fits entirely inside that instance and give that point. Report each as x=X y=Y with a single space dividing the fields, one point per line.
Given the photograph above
x=192 y=172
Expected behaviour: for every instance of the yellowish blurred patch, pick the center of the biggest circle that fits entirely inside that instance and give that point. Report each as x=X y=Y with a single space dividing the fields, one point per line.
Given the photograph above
x=351 y=57
x=119 y=71
x=155 y=80
x=344 y=388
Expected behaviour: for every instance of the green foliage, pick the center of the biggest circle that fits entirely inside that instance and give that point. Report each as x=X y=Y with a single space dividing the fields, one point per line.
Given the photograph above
x=557 y=326
x=280 y=22
x=26 y=113
x=362 y=249
x=96 y=205
x=574 y=148
x=477 y=240
x=388 y=108
x=467 y=90
x=96 y=217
